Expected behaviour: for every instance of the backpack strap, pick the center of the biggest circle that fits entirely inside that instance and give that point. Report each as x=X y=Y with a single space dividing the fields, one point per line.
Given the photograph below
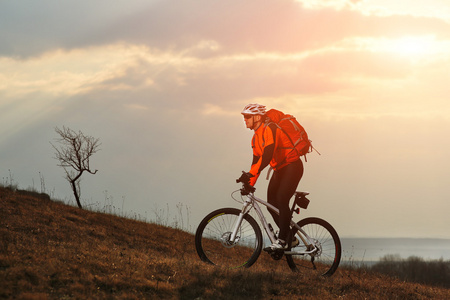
x=268 y=172
x=279 y=127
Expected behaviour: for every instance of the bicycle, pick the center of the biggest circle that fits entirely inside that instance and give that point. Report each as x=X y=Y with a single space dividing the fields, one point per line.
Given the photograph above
x=232 y=238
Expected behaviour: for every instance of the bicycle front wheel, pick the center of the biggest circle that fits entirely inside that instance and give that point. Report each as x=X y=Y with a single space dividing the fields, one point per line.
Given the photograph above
x=212 y=239
x=324 y=256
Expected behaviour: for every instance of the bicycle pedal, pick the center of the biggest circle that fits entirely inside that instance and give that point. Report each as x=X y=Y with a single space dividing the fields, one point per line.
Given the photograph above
x=270 y=250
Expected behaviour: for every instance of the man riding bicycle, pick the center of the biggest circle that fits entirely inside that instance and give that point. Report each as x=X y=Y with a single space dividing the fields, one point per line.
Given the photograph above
x=268 y=149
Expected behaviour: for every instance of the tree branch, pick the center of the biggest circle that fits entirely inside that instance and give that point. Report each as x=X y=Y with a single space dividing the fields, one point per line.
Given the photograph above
x=74 y=152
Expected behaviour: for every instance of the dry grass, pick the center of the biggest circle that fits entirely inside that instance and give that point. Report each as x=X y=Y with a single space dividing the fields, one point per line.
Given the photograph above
x=49 y=250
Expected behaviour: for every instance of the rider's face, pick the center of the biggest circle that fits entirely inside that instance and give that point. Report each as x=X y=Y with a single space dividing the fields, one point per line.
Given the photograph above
x=251 y=120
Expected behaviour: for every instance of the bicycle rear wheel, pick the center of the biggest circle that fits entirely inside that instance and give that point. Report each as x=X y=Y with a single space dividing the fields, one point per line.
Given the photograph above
x=326 y=258
x=212 y=239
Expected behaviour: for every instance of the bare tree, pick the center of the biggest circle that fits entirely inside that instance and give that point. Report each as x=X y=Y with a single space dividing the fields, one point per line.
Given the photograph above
x=73 y=154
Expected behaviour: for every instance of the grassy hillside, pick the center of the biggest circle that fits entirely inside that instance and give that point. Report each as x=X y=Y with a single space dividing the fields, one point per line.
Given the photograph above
x=49 y=250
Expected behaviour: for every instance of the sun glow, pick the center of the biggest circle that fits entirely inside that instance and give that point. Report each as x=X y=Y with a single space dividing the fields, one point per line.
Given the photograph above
x=416 y=47
x=413 y=45
x=410 y=45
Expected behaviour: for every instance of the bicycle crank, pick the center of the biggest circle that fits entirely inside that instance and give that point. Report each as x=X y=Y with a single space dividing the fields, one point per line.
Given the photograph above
x=275 y=254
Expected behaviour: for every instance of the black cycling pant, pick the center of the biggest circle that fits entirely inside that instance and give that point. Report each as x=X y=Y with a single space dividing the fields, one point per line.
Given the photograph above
x=282 y=187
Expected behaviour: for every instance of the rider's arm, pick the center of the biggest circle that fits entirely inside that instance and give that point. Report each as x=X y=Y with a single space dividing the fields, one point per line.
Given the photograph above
x=260 y=162
x=254 y=169
x=255 y=159
x=267 y=157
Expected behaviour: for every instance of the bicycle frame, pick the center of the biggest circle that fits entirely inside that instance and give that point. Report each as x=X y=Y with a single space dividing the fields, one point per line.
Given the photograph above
x=252 y=201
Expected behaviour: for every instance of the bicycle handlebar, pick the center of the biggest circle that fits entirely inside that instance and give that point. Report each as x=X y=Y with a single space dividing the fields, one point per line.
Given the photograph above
x=246 y=187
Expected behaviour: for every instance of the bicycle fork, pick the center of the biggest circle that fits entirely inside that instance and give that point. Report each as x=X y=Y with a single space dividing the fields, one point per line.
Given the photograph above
x=238 y=223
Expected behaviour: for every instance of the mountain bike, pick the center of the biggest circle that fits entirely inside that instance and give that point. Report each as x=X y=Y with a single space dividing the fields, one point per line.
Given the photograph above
x=232 y=238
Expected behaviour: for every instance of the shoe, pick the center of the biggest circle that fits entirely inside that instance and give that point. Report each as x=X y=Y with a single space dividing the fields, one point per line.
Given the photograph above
x=279 y=245
x=295 y=242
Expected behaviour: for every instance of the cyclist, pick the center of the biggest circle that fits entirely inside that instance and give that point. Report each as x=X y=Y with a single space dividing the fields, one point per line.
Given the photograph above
x=267 y=149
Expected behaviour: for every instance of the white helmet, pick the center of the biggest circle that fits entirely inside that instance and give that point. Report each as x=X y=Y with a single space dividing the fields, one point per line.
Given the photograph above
x=254 y=109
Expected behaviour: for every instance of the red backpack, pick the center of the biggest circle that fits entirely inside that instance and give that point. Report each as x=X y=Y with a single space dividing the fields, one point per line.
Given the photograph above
x=294 y=137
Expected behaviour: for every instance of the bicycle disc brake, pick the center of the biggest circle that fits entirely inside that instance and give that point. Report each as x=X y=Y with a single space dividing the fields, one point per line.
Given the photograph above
x=318 y=249
x=316 y=253
x=225 y=240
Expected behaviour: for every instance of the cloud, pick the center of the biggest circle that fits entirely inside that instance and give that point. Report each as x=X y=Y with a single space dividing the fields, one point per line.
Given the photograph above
x=125 y=74
x=205 y=27
x=215 y=110
x=29 y=28
x=420 y=8
x=335 y=4
x=281 y=26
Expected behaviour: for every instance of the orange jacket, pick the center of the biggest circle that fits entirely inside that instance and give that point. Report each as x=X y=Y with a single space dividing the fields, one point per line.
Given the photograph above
x=268 y=148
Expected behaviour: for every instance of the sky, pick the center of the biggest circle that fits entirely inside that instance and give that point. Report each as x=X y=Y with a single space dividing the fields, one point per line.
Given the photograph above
x=162 y=83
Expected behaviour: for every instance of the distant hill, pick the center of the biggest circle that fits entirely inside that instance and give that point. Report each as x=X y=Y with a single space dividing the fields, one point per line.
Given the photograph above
x=49 y=250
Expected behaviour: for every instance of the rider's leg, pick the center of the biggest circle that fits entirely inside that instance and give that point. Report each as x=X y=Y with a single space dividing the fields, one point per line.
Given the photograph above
x=272 y=195
x=282 y=187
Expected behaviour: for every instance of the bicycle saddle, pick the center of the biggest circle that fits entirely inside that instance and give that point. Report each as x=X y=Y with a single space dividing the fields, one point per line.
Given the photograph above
x=301 y=194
